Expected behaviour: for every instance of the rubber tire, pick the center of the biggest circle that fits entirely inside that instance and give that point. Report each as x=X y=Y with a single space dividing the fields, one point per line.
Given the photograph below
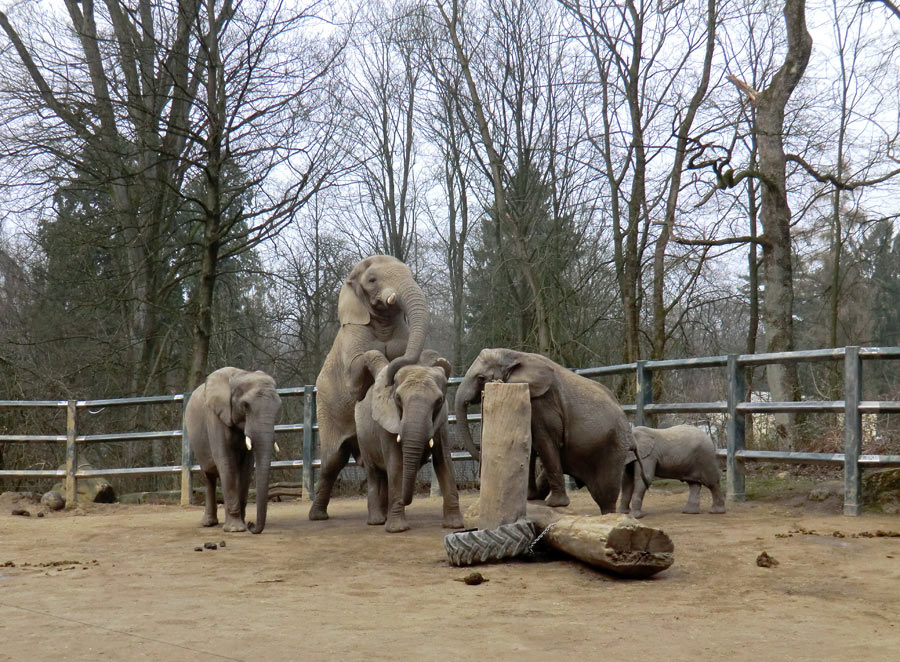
x=482 y=546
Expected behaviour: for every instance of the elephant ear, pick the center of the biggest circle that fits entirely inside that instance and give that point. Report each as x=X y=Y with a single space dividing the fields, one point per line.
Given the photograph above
x=384 y=407
x=432 y=359
x=534 y=370
x=218 y=393
x=351 y=306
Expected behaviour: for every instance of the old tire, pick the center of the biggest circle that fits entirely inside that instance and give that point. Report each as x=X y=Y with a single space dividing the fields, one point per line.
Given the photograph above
x=481 y=546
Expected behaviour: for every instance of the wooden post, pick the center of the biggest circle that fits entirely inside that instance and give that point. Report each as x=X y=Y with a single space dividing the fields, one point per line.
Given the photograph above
x=644 y=393
x=309 y=419
x=852 y=431
x=505 y=451
x=186 y=459
x=735 y=431
x=71 y=454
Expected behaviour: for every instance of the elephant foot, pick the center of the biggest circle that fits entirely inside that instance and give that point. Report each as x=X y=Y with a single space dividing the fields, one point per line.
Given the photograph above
x=717 y=510
x=396 y=526
x=453 y=521
x=234 y=526
x=376 y=520
x=691 y=510
x=557 y=499
x=209 y=520
x=624 y=510
x=316 y=513
x=637 y=514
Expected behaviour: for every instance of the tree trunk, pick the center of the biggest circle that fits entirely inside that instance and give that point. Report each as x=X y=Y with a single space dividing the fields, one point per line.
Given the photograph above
x=778 y=303
x=614 y=542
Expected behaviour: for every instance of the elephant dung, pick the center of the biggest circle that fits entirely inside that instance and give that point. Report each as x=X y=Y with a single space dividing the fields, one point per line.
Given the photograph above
x=505 y=451
x=614 y=542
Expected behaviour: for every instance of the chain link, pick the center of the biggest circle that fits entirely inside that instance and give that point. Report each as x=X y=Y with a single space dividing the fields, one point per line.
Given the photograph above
x=543 y=533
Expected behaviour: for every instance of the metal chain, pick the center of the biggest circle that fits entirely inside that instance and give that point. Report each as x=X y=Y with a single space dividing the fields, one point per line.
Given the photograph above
x=543 y=533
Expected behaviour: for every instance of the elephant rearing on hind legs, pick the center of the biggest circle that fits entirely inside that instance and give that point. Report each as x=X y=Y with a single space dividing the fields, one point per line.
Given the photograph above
x=383 y=314
x=577 y=426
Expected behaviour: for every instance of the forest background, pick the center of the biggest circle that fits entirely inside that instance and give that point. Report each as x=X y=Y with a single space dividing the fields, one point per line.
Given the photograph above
x=186 y=183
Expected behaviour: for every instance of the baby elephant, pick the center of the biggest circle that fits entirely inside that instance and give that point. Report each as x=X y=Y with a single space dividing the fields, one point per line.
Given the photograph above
x=683 y=452
x=398 y=427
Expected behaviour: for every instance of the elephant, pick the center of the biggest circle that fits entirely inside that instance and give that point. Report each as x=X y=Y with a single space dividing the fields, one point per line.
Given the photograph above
x=577 y=425
x=383 y=314
x=682 y=452
x=230 y=422
x=398 y=428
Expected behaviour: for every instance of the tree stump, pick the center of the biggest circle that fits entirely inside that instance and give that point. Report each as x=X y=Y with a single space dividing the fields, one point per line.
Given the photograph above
x=505 y=451
x=614 y=542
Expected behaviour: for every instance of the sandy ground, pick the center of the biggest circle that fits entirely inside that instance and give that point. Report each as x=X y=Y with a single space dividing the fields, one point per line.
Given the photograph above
x=120 y=582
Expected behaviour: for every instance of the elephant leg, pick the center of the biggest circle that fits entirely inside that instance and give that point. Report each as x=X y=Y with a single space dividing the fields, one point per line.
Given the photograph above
x=535 y=492
x=231 y=489
x=246 y=466
x=229 y=468
x=628 y=477
x=330 y=470
x=443 y=468
x=718 y=498
x=692 y=507
x=396 y=518
x=547 y=450
x=377 y=495
x=210 y=517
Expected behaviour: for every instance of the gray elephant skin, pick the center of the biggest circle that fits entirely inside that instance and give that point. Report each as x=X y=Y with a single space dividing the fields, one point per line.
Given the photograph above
x=682 y=452
x=398 y=427
x=383 y=313
x=232 y=410
x=577 y=426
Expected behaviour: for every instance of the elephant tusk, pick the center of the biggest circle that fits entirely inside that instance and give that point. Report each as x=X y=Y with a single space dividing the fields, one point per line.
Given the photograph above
x=248 y=442
x=277 y=450
x=392 y=298
x=431 y=443
x=398 y=438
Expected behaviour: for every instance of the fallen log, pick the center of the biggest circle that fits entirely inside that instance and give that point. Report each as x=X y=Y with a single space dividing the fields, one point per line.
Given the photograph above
x=615 y=542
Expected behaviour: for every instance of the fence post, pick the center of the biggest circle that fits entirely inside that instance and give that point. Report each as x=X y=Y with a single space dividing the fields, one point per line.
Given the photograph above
x=734 y=431
x=644 y=395
x=852 y=431
x=186 y=459
x=71 y=454
x=309 y=417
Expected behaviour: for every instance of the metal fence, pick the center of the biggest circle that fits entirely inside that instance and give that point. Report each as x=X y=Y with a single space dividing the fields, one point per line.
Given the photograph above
x=734 y=408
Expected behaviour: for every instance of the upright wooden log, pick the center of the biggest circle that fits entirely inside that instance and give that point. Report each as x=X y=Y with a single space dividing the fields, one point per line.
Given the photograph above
x=505 y=451
x=614 y=542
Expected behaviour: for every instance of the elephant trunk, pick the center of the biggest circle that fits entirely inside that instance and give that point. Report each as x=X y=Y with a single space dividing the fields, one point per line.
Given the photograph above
x=415 y=432
x=262 y=449
x=412 y=300
x=468 y=390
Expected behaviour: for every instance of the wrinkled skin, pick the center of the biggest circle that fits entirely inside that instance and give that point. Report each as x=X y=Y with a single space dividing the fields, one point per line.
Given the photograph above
x=394 y=426
x=577 y=426
x=229 y=406
x=383 y=315
x=682 y=452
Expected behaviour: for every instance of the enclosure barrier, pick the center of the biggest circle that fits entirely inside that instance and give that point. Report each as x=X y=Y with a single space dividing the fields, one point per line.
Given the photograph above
x=734 y=408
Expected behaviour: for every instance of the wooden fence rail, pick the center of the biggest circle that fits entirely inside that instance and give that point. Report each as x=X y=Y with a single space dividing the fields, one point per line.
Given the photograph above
x=734 y=408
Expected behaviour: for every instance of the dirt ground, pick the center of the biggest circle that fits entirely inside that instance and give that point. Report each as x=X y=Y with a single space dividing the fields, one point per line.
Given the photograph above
x=114 y=582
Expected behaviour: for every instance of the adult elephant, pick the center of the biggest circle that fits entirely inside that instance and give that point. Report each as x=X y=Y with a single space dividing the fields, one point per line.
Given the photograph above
x=383 y=313
x=577 y=426
x=230 y=422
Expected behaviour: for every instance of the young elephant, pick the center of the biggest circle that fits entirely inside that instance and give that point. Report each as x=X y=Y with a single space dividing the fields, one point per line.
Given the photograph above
x=682 y=452
x=398 y=427
x=230 y=420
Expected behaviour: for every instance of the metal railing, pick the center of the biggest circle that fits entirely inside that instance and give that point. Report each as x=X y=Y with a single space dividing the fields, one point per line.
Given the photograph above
x=734 y=409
